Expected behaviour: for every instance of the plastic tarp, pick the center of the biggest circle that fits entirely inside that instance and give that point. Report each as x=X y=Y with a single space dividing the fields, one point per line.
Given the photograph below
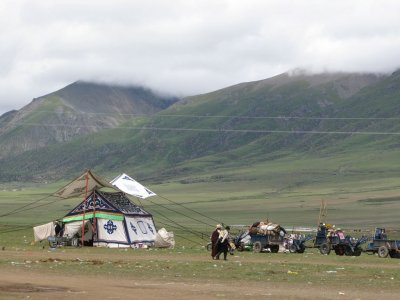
x=131 y=187
x=141 y=229
x=164 y=239
x=42 y=232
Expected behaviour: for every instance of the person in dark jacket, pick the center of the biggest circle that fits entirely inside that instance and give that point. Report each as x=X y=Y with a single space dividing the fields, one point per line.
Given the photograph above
x=214 y=241
x=223 y=243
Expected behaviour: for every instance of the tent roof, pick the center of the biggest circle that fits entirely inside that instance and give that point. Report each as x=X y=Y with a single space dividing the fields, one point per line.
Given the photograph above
x=78 y=187
x=123 y=203
x=105 y=204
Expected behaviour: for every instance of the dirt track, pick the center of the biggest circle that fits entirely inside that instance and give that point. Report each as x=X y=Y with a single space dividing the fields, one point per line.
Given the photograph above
x=23 y=284
x=20 y=282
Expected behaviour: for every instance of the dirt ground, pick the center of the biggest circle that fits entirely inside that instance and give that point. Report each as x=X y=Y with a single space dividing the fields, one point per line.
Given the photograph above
x=25 y=283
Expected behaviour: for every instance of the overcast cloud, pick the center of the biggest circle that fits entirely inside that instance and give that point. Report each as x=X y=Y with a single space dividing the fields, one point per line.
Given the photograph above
x=187 y=47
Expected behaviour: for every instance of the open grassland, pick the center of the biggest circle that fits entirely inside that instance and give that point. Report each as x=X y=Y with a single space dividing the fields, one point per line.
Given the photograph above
x=288 y=191
x=183 y=273
x=191 y=210
x=187 y=272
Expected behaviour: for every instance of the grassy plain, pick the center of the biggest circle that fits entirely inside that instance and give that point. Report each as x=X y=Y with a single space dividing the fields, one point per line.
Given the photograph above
x=357 y=199
x=361 y=192
x=191 y=274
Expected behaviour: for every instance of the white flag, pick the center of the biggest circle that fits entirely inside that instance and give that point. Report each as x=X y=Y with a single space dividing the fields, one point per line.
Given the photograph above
x=130 y=186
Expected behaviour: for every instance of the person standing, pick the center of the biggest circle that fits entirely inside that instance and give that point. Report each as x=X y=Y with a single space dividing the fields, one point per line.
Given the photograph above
x=214 y=240
x=223 y=243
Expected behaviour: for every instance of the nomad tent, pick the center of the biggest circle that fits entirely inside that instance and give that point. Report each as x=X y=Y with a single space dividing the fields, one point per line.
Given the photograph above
x=108 y=219
x=111 y=220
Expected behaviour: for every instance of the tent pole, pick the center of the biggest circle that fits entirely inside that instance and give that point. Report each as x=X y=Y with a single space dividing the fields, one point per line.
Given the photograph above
x=84 y=207
x=94 y=225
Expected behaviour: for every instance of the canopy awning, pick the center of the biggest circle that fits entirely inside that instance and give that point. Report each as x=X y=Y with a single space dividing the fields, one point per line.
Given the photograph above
x=88 y=181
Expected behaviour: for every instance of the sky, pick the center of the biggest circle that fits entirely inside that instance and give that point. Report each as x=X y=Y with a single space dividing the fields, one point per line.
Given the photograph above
x=187 y=47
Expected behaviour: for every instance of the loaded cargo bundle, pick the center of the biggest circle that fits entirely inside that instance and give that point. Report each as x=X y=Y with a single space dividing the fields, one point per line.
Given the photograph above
x=267 y=228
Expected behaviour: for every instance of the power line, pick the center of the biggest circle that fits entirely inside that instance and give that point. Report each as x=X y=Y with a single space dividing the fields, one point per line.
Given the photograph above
x=191 y=218
x=160 y=115
x=268 y=131
x=181 y=205
x=21 y=208
x=199 y=234
x=181 y=236
x=192 y=210
x=219 y=130
x=40 y=205
x=19 y=228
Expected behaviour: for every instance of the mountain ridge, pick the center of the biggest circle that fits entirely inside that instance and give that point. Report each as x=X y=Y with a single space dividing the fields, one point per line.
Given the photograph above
x=255 y=122
x=62 y=115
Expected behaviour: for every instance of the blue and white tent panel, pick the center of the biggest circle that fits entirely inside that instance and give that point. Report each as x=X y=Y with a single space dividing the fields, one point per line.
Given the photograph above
x=141 y=229
x=111 y=233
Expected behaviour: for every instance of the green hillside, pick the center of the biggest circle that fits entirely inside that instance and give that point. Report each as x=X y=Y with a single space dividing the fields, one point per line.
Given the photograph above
x=240 y=126
x=273 y=148
x=72 y=112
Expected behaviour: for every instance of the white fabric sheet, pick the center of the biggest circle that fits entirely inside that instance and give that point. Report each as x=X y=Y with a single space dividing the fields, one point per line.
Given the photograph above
x=130 y=186
x=42 y=232
x=164 y=239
